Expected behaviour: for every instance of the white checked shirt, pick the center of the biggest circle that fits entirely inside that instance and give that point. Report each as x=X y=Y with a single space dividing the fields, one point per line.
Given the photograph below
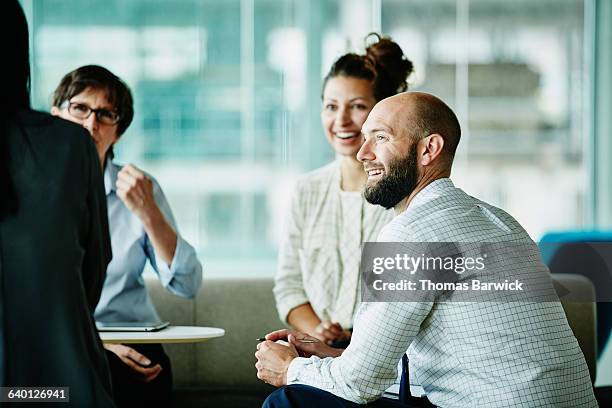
x=462 y=354
x=317 y=263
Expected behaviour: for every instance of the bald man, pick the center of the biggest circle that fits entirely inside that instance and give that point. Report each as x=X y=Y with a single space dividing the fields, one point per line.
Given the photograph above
x=454 y=354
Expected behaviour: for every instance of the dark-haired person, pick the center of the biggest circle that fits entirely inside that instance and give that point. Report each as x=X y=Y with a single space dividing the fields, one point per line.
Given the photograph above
x=475 y=353
x=142 y=229
x=316 y=283
x=54 y=241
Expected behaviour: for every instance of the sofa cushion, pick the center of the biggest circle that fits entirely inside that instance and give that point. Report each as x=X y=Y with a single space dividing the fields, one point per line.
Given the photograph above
x=244 y=308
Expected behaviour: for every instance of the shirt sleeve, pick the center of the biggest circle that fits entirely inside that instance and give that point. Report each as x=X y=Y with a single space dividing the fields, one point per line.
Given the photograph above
x=288 y=285
x=382 y=333
x=183 y=276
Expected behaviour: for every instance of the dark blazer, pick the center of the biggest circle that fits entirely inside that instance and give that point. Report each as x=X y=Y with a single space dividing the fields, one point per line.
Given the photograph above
x=53 y=257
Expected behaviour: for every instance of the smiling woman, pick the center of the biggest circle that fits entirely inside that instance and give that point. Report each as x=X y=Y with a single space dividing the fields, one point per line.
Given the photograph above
x=316 y=285
x=346 y=104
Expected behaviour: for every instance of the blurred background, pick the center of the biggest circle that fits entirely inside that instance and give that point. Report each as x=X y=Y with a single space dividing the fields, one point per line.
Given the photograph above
x=227 y=101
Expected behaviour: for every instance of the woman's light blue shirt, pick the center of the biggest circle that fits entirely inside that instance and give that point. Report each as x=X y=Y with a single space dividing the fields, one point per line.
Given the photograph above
x=124 y=296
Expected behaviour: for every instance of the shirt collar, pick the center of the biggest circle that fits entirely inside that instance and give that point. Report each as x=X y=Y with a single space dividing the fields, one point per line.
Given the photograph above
x=110 y=177
x=434 y=189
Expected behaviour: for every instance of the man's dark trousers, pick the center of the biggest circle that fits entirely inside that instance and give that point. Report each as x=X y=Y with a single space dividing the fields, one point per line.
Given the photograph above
x=305 y=396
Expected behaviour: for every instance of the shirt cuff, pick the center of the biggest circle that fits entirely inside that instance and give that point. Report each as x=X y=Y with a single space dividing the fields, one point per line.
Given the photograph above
x=290 y=302
x=184 y=267
x=166 y=272
x=294 y=368
x=308 y=371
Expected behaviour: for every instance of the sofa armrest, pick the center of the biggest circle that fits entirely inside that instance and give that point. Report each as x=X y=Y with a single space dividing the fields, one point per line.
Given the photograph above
x=579 y=306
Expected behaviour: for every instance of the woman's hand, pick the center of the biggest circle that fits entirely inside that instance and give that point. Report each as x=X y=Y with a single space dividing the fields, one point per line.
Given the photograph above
x=305 y=345
x=329 y=332
x=135 y=189
x=135 y=361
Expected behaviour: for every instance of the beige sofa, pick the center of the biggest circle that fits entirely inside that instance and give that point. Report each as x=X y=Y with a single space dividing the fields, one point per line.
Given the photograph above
x=221 y=372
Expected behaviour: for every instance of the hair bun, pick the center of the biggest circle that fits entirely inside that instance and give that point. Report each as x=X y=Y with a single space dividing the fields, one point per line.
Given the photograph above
x=390 y=62
x=384 y=64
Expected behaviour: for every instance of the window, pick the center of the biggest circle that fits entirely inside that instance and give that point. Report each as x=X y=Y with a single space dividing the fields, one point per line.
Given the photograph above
x=227 y=100
x=514 y=72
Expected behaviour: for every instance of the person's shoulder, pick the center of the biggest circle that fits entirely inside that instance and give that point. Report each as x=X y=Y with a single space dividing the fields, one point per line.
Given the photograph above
x=499 y=218
x=454 y=216
x=470 y=207
x=35 y=120
x=51 y=132
x=400 y=229
x=313 y=180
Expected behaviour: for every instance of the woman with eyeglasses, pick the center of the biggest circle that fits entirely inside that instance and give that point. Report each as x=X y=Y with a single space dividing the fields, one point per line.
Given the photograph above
x=317 y=279
x=142 y=229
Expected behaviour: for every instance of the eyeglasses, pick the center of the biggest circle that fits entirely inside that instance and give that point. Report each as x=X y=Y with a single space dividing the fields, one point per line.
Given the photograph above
x=82 y=111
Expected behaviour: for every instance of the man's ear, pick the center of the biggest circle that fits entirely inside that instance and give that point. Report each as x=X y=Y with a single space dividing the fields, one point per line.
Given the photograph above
x=432 y=147
x=55 y=111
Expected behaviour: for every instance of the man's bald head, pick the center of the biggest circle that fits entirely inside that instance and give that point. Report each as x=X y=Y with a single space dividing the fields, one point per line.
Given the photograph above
x=420 y=115
x=410 y=140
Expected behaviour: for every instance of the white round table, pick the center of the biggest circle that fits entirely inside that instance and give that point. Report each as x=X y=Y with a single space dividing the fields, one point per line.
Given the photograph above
x=171 y=334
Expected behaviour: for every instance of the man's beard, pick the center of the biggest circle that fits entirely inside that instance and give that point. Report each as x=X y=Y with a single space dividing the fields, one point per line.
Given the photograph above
x=397 y=183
